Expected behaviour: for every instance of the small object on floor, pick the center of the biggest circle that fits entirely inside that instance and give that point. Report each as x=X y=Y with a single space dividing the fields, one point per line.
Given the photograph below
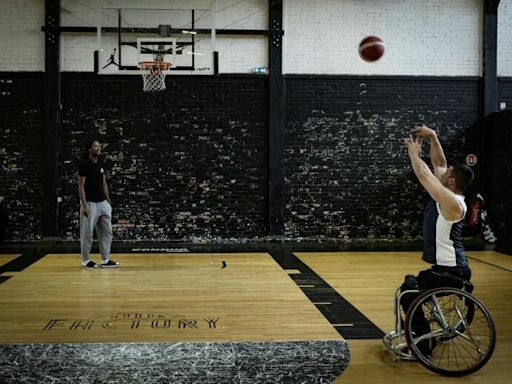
x=110 y=264
x=224 y=265
x=90 y=265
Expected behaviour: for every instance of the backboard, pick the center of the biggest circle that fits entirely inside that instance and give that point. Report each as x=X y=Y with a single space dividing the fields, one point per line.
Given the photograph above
x=172 y=31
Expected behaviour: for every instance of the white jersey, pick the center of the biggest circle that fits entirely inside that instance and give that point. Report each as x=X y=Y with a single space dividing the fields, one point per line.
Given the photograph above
x=443 y=238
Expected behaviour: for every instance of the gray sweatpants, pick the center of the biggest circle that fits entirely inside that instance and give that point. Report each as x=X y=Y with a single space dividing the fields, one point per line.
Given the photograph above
x=100 y=217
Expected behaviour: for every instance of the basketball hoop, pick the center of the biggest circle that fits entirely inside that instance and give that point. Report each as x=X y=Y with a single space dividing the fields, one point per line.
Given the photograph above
x=153 y=74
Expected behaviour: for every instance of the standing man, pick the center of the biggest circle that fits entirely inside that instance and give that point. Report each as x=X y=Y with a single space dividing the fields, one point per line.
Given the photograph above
x=442 y=222
x=95 y=208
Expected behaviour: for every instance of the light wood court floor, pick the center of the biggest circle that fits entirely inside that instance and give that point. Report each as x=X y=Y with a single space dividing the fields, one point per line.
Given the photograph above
x=368 y=280
x=4 y=259
x=190 y=297
x=158 y=298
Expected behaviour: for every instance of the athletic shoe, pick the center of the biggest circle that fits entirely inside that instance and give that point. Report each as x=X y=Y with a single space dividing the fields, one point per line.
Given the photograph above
x=90 y=265
x=110 y=264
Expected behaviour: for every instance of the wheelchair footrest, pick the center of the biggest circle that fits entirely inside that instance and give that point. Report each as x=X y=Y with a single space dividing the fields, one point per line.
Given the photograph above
x=395 y=344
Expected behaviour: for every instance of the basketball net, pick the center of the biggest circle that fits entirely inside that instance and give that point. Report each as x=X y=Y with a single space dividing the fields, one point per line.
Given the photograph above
x=153 y=75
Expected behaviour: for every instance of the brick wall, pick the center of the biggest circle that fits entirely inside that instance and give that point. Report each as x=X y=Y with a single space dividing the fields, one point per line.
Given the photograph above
x=238 y=54
x=505 y=91
x=193 y=162
x=422 y=38
x=21 y=152
x=347 y=171
x=22 y=40
x=499 y=168
x=505 y=38
x=189 y=162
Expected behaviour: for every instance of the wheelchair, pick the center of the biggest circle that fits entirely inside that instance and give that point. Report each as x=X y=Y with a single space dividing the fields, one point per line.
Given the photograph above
x=462 y=335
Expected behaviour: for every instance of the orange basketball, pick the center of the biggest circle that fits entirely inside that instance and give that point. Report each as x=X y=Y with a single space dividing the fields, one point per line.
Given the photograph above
x=371 y=48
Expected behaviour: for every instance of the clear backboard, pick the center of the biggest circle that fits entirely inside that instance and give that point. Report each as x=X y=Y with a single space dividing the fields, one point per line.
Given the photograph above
x=179 y=32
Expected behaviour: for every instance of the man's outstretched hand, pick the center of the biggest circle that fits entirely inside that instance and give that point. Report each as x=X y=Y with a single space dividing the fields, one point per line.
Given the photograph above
x=423 y=131
x=413 y=145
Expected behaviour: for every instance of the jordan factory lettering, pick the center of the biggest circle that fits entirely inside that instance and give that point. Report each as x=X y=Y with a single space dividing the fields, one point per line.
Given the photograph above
x=132 y=321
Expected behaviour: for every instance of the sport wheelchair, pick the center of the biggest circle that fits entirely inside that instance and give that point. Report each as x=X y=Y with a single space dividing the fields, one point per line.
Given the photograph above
x=462 y=335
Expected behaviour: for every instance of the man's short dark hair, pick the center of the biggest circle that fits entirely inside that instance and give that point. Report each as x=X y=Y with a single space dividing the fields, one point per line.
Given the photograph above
x=463 y=176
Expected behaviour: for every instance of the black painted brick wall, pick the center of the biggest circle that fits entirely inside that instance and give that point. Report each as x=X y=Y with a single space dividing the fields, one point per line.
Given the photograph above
x=505 y=91
x=187 y=163
x=347 y=170
x=501 y=149
x=192 y=162
x=21 y=152
x=500 y=171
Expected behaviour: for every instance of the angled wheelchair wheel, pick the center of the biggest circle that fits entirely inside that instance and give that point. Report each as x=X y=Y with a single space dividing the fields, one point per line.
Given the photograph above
x=450 y=332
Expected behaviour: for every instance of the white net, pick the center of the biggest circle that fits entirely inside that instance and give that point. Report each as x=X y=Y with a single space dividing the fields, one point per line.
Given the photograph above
x=153 y=75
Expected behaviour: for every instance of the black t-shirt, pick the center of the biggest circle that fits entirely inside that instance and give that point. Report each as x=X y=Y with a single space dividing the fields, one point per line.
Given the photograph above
x=93 y=173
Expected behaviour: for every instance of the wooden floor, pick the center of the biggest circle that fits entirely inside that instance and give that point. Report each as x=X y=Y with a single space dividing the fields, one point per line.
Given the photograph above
x=190 y=297
x=368 y=281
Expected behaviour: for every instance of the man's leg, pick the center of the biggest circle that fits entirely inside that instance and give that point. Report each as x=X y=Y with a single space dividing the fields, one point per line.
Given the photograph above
x=86 y=232
x=420 y=326
x=104 y=231
x=410 y=284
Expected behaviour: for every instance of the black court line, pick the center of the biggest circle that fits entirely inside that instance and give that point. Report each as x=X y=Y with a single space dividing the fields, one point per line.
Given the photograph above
x=344 y=317
x=19 y=264
x=486 y=262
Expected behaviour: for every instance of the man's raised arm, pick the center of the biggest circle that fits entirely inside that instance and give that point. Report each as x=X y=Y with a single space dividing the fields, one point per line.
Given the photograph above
x=437 y=156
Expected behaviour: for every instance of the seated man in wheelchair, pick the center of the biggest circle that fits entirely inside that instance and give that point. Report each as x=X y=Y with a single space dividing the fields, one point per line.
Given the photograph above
x=442 y=223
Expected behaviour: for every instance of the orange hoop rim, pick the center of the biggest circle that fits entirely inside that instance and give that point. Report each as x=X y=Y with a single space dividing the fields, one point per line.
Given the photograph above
x=162 y=65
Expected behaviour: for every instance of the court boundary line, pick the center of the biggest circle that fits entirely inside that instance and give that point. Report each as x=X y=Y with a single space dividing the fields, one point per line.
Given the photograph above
x=19 y=264
x=488 y=263
x=329 y=302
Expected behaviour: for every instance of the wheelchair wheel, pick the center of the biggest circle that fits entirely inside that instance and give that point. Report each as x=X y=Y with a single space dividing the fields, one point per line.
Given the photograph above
x=450 y=332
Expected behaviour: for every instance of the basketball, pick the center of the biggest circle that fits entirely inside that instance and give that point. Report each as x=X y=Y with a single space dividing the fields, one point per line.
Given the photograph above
x=371 y=48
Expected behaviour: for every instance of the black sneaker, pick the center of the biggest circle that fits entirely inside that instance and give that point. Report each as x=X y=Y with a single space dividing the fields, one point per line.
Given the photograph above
x=110 y=264
x=90 y=265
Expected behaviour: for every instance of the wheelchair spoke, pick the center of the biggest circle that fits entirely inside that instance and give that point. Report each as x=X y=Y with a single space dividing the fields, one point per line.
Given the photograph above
x=438 y=312
x=472 y=342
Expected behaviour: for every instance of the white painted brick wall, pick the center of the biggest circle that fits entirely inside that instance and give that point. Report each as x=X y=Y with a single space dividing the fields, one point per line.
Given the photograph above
x=422 y=37
x=241 y=54
x=505 y=38
x=245 y=14
x=21 y=41
x=77 y=49
x=238 y=54
x=434 y=37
